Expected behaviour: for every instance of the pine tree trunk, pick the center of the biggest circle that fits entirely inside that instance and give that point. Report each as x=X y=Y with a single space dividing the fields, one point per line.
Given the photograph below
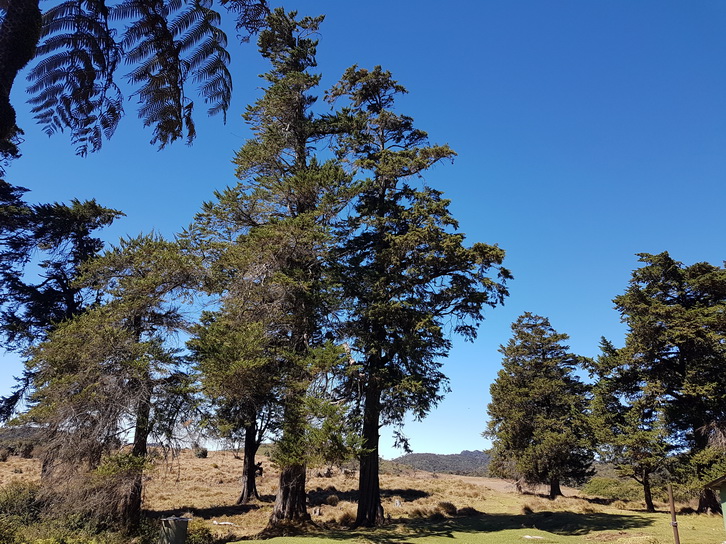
x=131 y=508
x=555 y=490
x=249 y=470
x=290 y=503
x=707 y=502
x=370 y=509
x=649 y=506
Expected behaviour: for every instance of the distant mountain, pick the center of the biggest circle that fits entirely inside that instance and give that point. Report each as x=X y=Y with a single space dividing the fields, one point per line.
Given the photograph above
x=467 y=463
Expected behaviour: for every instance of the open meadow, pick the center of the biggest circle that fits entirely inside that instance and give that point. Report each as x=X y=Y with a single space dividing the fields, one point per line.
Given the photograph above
x=423 y=508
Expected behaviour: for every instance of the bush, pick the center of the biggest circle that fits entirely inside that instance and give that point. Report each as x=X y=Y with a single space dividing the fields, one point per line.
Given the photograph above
x=4 y=454
x=8 y=531
x=19 y=501
x=26 y=450
x=201 y=453
x=198 y=534
x=446 y=508
x=346 y=519
x=332 y=500
x=613 y=488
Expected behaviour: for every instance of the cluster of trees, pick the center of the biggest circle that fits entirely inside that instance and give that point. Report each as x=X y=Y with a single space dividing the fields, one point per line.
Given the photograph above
x=331 y=282
x=654 y=407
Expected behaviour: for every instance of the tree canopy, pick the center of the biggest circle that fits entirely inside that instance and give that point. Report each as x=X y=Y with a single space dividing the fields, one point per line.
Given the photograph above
x=538 y=410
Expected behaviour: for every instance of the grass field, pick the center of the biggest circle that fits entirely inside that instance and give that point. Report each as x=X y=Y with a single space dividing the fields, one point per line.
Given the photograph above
x=423 y=508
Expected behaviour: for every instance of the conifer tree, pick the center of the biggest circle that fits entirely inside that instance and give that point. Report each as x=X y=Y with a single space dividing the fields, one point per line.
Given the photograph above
x=59 y=238
x=538 y=410
x=266 y=240
x=108 y=371
x=238 y=370
x=628 y=419
x=676 y=342
x=404 y=271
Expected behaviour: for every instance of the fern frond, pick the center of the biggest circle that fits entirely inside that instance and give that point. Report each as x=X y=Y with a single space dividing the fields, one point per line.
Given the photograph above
x=72 y=82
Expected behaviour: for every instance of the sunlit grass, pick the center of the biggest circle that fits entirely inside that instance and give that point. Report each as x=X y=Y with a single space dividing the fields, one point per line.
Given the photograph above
x=422 y=508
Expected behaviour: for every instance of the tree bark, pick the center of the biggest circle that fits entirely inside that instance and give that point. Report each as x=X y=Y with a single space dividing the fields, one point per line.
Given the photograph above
x=555 y=490
x=649 y=506
x=370 y=509
x=19 y=35
x=249 y=470
x=290 y=503
x=131 y=507
x=707 y=502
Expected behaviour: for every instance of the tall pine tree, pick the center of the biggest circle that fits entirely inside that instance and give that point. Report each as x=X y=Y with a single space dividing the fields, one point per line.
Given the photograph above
x=404 y=270
x=538 y=410
x=676 y=340
x=267 y=238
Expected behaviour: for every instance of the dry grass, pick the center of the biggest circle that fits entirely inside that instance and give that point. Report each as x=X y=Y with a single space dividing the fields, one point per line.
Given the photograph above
x=16 y=468
x=206 y=489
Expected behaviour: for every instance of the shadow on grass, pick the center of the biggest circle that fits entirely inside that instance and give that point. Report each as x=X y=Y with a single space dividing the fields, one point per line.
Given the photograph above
x=322 y=496
x=211 y=512
x=560 y=523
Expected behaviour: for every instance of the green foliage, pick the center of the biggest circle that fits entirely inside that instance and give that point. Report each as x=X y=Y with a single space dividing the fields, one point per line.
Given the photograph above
x=407 y=278
x=538 y=412
x=168 y=46
x=20 y=503
x=121 y=465
x=613 y=488
x=670 y=372
x=676 y=341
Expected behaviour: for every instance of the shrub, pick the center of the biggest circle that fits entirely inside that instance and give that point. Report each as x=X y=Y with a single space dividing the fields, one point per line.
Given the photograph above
x=446 y=508
x=19 y=501
x=613 y=488
x=4 y=454
x=8 y=530
x=201 y=453
x=346 y=519
x=421 y=513
x=332 y=500
x=198 y=534
x=467 y=511
x=26 y=450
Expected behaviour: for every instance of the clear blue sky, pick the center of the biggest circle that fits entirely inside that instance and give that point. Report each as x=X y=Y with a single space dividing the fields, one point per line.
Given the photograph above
x=586 y=132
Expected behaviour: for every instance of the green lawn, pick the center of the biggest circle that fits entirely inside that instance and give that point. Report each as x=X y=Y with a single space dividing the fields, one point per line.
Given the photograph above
x=554 y=527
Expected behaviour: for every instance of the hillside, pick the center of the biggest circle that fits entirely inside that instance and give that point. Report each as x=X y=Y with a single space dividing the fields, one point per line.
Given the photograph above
x=466 y=463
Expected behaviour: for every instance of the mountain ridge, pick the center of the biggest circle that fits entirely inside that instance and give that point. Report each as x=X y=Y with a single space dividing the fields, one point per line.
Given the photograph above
x=465 y=463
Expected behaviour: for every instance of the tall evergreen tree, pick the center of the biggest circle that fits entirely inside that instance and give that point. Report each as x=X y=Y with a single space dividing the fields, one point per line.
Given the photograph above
x=108 y=371
x=538 y=409
x=238 y=370
x=267 y=237
x=676 y=339
x=42 y=249
x=404 y=271
x=628 y=418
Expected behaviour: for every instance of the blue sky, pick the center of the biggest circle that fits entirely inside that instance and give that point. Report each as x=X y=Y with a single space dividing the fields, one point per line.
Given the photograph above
x=586 y=132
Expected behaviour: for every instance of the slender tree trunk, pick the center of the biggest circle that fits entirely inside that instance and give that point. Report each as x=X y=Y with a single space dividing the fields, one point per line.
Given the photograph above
x=290 y=503
x=649 y=506
x=555 y=490
x=370 y=509
x=249 y=470
x=131 y=507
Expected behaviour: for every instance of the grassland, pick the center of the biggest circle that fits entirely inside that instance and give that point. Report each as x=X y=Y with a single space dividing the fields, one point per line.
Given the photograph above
x=423 y=508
